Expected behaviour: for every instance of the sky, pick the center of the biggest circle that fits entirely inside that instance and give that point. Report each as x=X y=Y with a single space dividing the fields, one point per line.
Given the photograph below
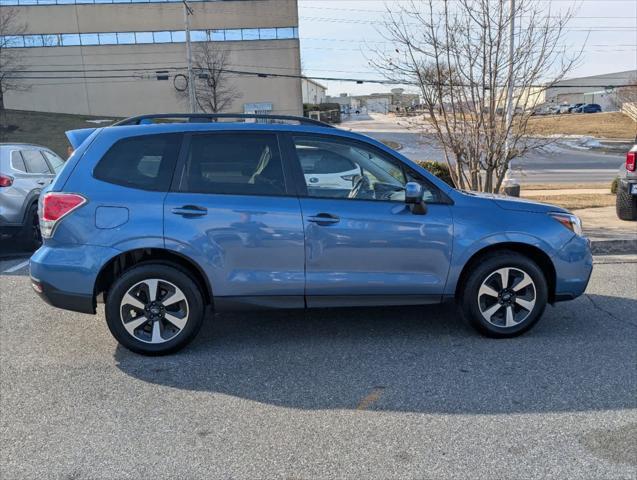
x=336 y=36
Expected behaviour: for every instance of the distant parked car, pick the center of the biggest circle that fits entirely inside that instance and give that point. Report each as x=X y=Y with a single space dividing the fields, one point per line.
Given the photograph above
x=626 y=202
x=574 y=107
x=324 y=169
x=24 y=171
x=588 y=108
x=564 y=108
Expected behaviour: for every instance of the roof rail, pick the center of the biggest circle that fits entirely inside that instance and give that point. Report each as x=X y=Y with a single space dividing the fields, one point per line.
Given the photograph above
x=212 y=117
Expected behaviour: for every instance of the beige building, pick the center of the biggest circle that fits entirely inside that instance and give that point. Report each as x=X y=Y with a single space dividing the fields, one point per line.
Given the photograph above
x=104 y=58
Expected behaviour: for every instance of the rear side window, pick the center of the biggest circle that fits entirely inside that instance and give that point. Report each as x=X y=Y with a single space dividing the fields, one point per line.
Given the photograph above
x=145 y=162
x=241 y=164
x=56 y=162
x=34 y=161
x=17 y=163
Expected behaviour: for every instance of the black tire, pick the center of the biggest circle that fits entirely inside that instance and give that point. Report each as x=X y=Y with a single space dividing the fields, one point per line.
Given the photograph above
x=626 y=204
x=31 y=235
x=169 y=275
x=483 y=271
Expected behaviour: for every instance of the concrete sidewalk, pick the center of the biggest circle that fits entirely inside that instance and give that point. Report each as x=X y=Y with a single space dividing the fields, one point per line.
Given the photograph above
x=608 y=234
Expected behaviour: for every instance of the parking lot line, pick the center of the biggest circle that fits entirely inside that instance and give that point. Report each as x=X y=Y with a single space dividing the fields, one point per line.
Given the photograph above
x=17 y=267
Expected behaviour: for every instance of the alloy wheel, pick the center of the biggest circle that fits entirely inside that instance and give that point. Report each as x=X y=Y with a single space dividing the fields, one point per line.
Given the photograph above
x=507 y=297
x=154 y=311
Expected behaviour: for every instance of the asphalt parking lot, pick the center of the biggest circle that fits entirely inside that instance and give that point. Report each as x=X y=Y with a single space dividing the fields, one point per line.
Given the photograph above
x=365 y=393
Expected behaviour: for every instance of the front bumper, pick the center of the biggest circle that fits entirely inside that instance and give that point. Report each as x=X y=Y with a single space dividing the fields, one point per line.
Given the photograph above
x=573 y=268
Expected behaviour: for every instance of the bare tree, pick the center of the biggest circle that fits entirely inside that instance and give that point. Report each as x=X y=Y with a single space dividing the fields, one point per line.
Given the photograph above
x=214 y=90
x=10 y=58
x=627 y=93
x=457 y=54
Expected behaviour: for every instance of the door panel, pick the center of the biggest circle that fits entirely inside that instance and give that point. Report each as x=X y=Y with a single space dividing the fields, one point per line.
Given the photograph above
x=375 y=248
x=233 y=215
x=247 y=245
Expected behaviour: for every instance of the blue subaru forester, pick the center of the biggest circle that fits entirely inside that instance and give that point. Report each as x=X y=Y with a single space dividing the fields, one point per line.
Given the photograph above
x=160 y=218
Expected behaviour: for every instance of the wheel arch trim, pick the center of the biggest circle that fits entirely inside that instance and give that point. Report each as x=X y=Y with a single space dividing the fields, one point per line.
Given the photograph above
x=124 y=260
x=532 y=247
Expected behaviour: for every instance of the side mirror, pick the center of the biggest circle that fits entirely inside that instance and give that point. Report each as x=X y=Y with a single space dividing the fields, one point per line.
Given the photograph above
x=414 y=198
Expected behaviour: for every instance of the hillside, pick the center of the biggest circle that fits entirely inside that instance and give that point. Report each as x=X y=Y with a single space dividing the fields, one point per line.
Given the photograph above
x=41 y=128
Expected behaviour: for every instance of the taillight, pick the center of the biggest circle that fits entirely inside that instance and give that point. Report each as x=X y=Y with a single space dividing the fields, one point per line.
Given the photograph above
x=6 y=181
x=630 y=161
x=56 y=206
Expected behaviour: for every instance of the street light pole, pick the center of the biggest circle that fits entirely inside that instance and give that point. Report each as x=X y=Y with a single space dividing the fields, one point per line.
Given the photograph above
x=191 y=78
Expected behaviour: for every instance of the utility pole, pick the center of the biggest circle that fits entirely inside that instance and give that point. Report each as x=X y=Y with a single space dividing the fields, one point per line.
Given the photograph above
x=510 y=86
x=191 y=78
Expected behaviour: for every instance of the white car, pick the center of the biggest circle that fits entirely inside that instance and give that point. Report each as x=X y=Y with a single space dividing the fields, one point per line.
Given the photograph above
x=326 y=169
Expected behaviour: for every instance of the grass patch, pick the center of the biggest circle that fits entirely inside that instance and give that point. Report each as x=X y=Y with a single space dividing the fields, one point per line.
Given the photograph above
x=562 y=186
x=614 y=125
x=41 y=128
x=572 y=202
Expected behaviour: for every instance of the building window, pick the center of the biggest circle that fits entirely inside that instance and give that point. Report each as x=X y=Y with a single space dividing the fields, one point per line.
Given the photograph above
x=129 y=38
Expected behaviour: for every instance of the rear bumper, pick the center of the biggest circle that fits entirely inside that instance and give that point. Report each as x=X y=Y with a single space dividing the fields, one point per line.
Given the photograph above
x=68 y=301
x=573 y=268
x=64 y=276
x=625 y=184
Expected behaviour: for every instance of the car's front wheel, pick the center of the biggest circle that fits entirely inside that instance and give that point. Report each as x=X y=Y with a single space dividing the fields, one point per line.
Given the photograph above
x=154 y=309
x=504 y=295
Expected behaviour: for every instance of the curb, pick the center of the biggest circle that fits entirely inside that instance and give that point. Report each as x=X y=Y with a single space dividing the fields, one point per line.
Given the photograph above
x=613 y=247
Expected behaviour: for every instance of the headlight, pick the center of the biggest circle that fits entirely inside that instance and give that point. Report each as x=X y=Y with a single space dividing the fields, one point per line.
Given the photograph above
x=570 y=221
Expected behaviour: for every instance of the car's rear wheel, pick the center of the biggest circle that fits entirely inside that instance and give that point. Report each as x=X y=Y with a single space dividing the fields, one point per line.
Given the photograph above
x=31 y=231
x=626 y=204
x=504 y=295
x=154 y=309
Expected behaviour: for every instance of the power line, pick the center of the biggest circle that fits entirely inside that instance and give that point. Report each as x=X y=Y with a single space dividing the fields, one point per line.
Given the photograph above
x=329 y=79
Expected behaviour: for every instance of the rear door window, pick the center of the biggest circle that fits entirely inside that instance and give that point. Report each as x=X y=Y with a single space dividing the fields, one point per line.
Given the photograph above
x=234 y=163
x=56 y=162
x=146 y=162
x=34 y=162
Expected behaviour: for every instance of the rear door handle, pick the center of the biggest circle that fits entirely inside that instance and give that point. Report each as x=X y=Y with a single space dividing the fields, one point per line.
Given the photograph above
x=190 y=211
x=41 y=182
x=324 y=219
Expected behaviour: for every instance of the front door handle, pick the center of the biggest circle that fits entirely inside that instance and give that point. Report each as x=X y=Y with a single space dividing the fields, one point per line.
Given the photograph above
x=41 y=182
x=190 y=211
x=324 y=219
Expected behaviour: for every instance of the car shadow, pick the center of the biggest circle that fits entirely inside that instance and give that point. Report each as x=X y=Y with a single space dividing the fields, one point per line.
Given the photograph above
x=577 y=358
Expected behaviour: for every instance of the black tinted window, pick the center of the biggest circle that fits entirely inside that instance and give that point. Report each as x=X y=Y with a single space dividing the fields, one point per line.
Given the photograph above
x=241 y=164
x=35 y=162
x=145 y=162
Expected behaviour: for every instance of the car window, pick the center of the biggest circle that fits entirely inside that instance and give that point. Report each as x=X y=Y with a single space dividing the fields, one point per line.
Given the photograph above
x=241 y=164
x=34 y=161
x=56 y=162
x=17 y=163
x=339 y=168
x=146 y=162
